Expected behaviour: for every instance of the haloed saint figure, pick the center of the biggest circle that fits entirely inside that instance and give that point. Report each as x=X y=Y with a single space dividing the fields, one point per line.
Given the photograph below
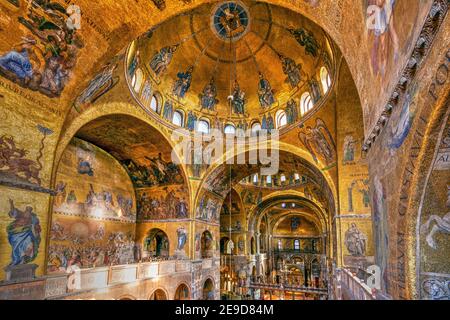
x=24 y=235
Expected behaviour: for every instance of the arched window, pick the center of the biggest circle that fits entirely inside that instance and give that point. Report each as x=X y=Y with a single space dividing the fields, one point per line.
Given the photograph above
x=296 y=177
x=281 y=118
x=229 y=129
x=325 y=79
x=280 y=245
x=296 y=244
x=256 y=127
x=137 y=79
x=155 y=103
x=283 y=178
x=269 y=180
x=203 y=126
x=178 y=118
x=255 y=179
x=306 y=103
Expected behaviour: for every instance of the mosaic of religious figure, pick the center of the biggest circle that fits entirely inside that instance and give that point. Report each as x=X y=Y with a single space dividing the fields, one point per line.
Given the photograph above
x=208 y=98
x=24 y=234
x=161 y=60
x=44 y=59
x=182 y=238
x=265 y=92
x=349 y=149
x=306 y=39
x=98 y=86
x=168 y=110
x=160 y=206
x=264 y=123
x=319 y=142
x=315 y=90
x=238 y=99
x=355 y=241
x=230 y=20
x=208 y=209
x=91 y=250
x=401 y=123
x=134 y=63
x=381 y=27
x=292 y=70
x=191 y=121
x=291 y=111
x=270 y=122
x=437 y=224
x=182 y=85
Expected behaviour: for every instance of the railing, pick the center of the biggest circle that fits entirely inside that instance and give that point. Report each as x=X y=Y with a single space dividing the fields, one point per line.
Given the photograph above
x=279 y=287
x=64 y=284
x=352 y=287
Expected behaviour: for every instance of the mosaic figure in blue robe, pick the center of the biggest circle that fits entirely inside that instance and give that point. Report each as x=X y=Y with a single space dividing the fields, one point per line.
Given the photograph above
x=191 y=121
x=264 y=123
x=182 y=85
x=168 y=110
x=134 y=64
x=238 y=101
x=18 y=61
x=182 y=238
x=265 y=92
x=292 y=70
x=161 y=60
x=208 y=96
x=24 y=235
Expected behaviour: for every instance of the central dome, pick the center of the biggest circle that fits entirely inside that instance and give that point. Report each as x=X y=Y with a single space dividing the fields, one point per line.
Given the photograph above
x=232 y=64
x=230 y=20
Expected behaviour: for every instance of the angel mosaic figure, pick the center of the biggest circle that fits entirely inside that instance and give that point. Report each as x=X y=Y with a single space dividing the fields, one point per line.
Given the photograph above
x=265 y=92
x=162 y=59
x=208 y=96
x=306 y=39
x=319 y=142
x=292 y=70
x=182 y=85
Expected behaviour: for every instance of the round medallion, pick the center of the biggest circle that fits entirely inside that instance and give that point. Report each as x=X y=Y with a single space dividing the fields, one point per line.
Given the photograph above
x=230 y=20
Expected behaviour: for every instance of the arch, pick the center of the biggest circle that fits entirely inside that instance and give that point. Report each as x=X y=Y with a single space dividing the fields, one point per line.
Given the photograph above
x=252 y=246
x=207 y=242
x=126 y=297
x=203 y=126
x=229 y=129
x=178 y=118
x=159 y=294
x=281 y=118
x=182 y=292
x=156 y=102
x=223 y=245
x=208 y=289
x=306 y=103
x=156 y=243
x=325 y=79
x=256 y=127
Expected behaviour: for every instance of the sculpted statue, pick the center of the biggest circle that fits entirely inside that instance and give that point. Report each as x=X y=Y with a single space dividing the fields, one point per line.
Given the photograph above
x=355 y=241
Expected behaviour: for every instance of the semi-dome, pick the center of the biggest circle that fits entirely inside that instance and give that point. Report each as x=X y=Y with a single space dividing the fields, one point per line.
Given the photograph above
x=232 y=65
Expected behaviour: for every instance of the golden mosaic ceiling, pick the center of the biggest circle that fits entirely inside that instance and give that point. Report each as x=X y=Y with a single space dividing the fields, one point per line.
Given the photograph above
x=235 y=42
